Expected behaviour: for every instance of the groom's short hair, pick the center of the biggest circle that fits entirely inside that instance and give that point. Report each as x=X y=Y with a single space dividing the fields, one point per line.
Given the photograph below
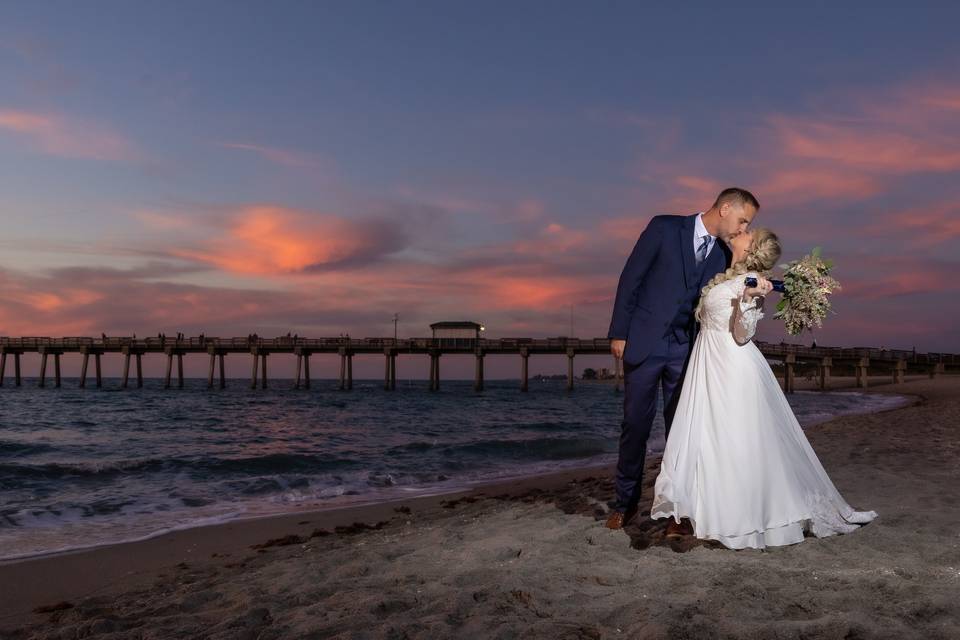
x=736 y=194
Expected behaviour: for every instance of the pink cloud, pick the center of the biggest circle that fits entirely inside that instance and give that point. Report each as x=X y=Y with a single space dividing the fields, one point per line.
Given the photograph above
x=66 y=137
x=922 y=226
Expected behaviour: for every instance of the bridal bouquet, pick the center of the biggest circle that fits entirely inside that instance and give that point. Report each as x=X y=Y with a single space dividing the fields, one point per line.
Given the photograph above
x=807 y=284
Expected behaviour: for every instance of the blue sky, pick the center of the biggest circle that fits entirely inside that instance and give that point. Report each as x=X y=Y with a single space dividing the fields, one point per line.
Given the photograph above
x=316 y=167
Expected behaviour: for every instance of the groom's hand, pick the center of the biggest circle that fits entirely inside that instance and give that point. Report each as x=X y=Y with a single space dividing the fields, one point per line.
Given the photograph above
x=617 y=347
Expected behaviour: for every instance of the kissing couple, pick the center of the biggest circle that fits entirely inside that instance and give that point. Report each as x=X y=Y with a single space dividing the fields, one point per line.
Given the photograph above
x=737 y=467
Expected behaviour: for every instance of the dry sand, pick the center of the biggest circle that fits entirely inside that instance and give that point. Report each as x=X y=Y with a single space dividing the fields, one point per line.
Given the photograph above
x=531 y=559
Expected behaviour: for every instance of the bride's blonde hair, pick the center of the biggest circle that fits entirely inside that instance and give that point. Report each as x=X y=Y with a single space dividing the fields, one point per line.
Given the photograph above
x=761 y=256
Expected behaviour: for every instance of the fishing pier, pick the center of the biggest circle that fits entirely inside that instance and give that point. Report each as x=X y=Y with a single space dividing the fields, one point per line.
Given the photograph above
x=862 y=361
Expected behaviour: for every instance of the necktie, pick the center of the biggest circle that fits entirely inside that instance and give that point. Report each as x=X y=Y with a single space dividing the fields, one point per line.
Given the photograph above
x=702 y=251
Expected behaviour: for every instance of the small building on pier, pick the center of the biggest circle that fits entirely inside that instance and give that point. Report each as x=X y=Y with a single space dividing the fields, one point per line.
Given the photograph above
x=458 y=329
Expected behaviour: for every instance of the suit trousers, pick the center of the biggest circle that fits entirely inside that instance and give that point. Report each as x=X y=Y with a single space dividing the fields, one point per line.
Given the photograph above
x=663 y=368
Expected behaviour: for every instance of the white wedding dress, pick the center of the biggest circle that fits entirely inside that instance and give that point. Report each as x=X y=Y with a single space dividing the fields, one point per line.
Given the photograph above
x=737 y=463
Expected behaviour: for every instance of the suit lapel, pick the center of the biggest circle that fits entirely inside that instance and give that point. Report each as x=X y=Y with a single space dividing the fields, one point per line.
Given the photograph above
x=686 y=250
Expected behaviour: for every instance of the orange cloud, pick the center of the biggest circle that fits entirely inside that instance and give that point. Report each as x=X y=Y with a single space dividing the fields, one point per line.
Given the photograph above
x=274 y=240
x=65 y=137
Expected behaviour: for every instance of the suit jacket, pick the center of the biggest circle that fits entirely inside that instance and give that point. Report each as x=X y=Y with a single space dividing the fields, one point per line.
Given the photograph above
x=659 y=274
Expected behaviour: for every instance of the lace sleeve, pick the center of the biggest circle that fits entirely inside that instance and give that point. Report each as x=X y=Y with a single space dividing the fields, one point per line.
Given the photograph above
x=746 y=315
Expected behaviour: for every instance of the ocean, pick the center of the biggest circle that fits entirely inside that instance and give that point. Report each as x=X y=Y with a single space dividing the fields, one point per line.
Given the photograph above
x=87 y=467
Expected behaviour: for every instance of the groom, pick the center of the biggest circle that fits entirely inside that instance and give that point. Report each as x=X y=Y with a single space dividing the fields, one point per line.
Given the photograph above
x=653 y=328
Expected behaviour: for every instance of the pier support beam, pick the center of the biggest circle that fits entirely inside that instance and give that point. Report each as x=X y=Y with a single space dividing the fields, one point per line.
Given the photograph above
x=210 y=371
x=126 y=368
x=524 y=369
x=96 y=363
x=4 y=351
x=83 y=370
x=389 y=369
x=263 y=370
x=171 y=351
x=43 y=369
x=570 y=355
x=166 y=378
x=44 y=352
x=434 y=371
x=862 y=366
x=825 y=366
x=899 y=371
x=478 y=377
x=127 y=353
x=346 y=369
x=789 y=372
x=215 y=356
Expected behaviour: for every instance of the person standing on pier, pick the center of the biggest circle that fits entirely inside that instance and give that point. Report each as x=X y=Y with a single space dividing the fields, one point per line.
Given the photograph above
x=653 y=326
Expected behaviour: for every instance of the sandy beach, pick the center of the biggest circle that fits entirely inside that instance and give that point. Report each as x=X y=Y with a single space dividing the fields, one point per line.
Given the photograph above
x=532 y=559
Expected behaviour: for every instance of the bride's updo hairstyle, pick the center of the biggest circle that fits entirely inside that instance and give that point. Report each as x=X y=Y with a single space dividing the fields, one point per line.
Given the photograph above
x=761 y=257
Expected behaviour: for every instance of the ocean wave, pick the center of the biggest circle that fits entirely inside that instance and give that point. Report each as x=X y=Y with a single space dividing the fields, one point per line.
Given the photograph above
x=15 y=449
x=209 y=466
x=528 y=449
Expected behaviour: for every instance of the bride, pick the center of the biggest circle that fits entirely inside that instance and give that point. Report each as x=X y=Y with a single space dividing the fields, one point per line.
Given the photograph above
x=737 y=463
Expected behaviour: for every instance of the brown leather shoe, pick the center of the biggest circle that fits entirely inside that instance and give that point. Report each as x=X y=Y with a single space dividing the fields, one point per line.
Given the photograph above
x=619 y=519
x=679 y=529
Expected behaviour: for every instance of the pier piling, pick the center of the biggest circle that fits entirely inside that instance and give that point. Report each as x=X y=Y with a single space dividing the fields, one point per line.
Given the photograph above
x=263 y=370
x=43 y=369
x=166 y=378
x=789 y=372
x=524 y=369
x=825 y=365
x=478 y=376
x=126 y=369
x=862 y=366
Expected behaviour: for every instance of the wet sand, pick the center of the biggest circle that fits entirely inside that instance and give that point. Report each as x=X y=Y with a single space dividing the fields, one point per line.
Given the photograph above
x=532 y=559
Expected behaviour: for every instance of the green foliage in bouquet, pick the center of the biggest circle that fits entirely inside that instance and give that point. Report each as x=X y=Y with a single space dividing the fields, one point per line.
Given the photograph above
x=808 y=284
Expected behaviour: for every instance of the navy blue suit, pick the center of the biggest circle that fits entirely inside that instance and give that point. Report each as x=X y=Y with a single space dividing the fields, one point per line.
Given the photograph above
x=653 y=311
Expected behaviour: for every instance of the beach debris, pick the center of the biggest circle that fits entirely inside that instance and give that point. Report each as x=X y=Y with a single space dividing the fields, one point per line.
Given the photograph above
x=358 y=527
x=280 y=542
x=51 y=608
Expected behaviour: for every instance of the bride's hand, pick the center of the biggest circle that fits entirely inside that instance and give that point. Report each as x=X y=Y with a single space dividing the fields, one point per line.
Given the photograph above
x=763 y=287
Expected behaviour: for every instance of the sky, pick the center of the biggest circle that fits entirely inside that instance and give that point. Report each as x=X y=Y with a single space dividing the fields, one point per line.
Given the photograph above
x=317 y=167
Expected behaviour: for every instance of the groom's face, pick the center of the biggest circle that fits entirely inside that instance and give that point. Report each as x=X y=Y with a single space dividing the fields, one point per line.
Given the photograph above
x=735 y=218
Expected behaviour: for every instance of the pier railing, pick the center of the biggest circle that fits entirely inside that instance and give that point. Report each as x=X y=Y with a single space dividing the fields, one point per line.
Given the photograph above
x=861 y=360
